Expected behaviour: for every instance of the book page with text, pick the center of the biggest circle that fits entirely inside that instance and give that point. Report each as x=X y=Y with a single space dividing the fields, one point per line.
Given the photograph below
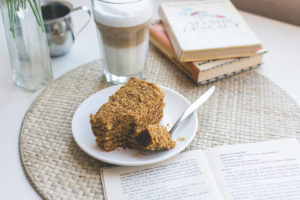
x=257 y=171
x=186 y=176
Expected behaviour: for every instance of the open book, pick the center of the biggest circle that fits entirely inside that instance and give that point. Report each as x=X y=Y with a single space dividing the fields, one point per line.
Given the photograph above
x=266 y=170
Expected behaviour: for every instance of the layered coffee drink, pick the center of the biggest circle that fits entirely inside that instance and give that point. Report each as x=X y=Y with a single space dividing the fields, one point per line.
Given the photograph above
x=124 y=33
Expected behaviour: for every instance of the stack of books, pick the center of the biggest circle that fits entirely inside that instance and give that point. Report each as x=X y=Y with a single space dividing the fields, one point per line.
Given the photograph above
x=208 y=39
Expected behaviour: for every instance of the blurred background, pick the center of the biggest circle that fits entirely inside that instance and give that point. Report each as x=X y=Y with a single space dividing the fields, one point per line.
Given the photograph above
x=286 y=11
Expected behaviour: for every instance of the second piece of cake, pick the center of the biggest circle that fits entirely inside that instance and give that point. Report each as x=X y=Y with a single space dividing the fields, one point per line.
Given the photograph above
x=155 y=138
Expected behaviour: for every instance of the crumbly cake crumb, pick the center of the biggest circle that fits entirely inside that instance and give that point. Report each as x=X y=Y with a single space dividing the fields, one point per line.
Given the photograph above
x=180 y=139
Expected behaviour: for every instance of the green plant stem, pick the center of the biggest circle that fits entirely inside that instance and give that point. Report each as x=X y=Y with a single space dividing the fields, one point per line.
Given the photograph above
x=39 y=15
x=13 y=6
x=34 y=12
x=17 y=5
x=11 y=17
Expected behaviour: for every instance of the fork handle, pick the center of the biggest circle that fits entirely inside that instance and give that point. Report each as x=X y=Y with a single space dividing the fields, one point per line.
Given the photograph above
x=201 y=100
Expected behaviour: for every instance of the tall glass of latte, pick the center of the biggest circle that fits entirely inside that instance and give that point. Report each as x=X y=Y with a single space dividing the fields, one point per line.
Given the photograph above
x=124 y=31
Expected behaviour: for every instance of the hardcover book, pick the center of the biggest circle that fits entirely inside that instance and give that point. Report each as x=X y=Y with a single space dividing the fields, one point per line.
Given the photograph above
x=202 y=71
x=207 y=29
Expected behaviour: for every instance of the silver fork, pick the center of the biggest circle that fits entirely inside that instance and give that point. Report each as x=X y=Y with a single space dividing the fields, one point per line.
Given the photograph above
x=201 y=100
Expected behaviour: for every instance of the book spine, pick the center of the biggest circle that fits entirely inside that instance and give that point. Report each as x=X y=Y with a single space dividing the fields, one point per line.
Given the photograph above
x=233 y=66
x=171 y=35
x=158 y=33
x=230 y=68
x=229 y=74
x=159 y=38
x=189 y=71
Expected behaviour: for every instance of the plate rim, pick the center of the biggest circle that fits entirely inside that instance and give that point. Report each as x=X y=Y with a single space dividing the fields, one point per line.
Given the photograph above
x=136 y=163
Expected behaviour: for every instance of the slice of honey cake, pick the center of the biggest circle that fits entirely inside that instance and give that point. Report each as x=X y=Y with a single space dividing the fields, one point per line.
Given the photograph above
x=155 y=138
x=132 y=108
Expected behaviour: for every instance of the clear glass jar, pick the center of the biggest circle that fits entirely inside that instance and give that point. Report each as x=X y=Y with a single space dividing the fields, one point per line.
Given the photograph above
x=27 y=46
x=124 y=34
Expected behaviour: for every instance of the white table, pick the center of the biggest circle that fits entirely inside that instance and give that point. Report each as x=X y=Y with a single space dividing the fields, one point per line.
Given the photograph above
x=282 y=65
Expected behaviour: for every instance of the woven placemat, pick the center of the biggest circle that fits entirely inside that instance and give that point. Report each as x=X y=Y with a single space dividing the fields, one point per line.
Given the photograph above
x=245 y=108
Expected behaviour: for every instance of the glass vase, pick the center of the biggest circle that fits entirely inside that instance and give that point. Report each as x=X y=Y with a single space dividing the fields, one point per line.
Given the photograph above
x=27 y=44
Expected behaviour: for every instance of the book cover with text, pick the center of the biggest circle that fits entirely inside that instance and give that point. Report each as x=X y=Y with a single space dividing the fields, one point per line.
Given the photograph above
x=207 y=29
x=202 y=71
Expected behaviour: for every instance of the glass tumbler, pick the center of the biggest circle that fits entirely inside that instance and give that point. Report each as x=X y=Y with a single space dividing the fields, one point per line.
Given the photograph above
x=123 y=27
x=27 y=44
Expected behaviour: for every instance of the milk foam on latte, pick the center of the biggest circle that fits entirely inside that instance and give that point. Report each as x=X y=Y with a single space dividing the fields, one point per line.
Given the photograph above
x=122 y=13
x=124 y=30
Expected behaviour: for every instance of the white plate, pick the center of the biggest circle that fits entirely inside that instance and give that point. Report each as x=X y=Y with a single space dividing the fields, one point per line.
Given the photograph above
x=175 y=105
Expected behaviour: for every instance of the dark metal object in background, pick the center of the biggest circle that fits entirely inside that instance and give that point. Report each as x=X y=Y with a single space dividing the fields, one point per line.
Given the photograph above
x=59 y=26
